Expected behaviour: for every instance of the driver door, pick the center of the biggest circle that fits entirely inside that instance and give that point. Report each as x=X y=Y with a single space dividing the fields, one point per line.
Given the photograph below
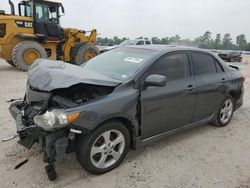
x=172 y=106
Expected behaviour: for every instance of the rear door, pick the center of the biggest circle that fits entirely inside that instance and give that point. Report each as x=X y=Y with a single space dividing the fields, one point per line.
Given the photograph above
x=169 y=107
x=211 y=89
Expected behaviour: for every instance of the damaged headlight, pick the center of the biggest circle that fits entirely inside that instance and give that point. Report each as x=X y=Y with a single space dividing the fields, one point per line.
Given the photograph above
x=55 y=119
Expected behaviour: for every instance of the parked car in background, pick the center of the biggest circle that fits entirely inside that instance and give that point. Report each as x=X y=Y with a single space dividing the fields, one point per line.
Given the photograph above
x=125 y=98
x=231 y=56
x=129 y=42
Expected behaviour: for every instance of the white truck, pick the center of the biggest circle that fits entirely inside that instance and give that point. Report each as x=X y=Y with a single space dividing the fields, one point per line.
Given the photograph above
x=129 y=42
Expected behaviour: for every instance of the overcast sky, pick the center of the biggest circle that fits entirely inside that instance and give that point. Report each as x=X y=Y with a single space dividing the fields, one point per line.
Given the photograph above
x=161 y=18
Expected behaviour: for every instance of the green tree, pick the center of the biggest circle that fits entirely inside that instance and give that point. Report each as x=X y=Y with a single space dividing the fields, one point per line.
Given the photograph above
x=217 y=42
x=116 y=40
x=204 y=41
x=156 y=40
x=165 y=40
x=207 y=39
x=248 y=47
x=241 y=41
x=177 y=38
x=227 y=43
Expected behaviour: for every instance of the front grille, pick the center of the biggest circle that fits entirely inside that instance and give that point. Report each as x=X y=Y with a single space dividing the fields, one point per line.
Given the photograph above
x=2 y=30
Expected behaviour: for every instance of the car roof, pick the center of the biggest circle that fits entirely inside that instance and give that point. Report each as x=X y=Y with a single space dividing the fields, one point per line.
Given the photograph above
x=167 y=48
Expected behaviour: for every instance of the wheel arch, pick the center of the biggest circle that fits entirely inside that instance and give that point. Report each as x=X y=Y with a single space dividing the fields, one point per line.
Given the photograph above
x=235 y=95
x=124 y=120
x=232 y=93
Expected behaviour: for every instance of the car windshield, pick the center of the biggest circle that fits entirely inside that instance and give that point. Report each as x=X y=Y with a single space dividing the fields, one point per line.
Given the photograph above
x=120 y=63
x=127 y=42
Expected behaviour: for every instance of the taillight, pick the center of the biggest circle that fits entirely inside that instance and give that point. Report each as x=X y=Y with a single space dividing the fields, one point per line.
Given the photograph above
x=2 y=30
x=243 y=78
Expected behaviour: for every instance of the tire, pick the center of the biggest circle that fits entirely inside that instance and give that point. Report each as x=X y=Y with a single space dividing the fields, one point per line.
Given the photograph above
x=224 y=109
x=32 y=50
x=11 y=63
x=86 y=144
x=75 y=49
x=84 y=53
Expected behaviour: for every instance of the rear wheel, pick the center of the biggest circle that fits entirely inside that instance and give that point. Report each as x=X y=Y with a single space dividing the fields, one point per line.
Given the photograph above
x=84 y=53
x=104 y=149
x=225 y=112
x=25 y=53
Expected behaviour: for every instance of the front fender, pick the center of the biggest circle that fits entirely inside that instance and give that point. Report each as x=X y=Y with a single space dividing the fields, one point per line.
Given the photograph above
x=122 y=104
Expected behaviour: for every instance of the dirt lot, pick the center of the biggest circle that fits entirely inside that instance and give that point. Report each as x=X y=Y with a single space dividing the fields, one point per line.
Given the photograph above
x=202 y=157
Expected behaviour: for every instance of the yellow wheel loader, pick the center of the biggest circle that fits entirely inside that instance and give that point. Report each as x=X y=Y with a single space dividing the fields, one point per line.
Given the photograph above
x=36 y=33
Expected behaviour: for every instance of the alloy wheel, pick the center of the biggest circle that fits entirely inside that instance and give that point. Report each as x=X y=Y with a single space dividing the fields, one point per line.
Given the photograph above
x=107 y=149
x=226 y=111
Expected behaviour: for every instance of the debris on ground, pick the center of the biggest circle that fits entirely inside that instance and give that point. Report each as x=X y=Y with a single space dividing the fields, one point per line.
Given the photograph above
x=12 y=100
x=21 y=163
x=9 y=138
x=217 y=180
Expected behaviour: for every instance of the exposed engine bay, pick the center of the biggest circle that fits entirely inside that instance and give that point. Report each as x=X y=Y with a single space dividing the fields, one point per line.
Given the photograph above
x=57 y=139
x=79 y=94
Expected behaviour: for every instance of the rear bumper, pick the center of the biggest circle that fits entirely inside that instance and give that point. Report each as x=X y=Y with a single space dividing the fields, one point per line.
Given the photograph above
x=239 y=100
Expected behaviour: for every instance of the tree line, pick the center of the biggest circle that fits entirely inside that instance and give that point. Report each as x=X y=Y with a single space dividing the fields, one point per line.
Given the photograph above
x=206 y=41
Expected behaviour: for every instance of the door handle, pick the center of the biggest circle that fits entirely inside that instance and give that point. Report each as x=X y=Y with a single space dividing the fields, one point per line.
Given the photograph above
x=190 y=88
x=223 y=80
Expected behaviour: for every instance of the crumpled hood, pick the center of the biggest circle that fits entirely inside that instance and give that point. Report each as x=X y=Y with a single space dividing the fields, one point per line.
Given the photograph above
x=47 y=75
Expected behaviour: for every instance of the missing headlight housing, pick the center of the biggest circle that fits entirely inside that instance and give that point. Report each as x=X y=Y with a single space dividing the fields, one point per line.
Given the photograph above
x=2 y=30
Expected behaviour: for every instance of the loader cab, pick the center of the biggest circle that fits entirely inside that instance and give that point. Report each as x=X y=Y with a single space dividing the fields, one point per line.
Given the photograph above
x=45 y=18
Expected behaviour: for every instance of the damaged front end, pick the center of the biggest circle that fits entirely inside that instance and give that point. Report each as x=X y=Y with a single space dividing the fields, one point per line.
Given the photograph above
x=55 y=94
x=48 y=118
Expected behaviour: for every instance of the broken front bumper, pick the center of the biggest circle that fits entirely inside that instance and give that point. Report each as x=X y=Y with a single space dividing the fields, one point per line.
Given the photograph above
x=28 y=134
x=54 y=144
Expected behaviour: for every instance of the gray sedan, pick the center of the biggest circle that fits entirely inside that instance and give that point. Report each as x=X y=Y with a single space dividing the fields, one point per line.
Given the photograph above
x=125 y=98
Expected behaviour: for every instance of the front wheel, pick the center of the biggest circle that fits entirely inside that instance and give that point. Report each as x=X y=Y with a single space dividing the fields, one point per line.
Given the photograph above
x=104 y=149
x=225 y=112
x=26 y=52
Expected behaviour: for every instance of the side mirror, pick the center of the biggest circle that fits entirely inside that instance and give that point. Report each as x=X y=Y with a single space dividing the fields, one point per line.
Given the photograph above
x=155 y=80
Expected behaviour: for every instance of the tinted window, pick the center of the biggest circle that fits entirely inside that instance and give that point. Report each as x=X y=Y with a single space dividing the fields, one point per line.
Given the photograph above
x=148 y=42
x=141 y=42
x=174 y=66
x=203 y=64
x=218 y=66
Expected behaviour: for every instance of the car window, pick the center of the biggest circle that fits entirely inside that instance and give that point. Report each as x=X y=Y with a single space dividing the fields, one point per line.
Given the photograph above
x=218 y=66
x=141 y=42
x=173 y=66
x=203 y=63
x=120 y=63
x=148 y=42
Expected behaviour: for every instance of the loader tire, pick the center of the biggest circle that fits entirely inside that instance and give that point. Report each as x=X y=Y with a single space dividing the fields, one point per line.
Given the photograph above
x=75 y=49
x=84 y=53
x=25 y=53
x=11 y=63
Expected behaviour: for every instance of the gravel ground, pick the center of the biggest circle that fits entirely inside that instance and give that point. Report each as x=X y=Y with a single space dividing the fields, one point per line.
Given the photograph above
x=202 y=157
